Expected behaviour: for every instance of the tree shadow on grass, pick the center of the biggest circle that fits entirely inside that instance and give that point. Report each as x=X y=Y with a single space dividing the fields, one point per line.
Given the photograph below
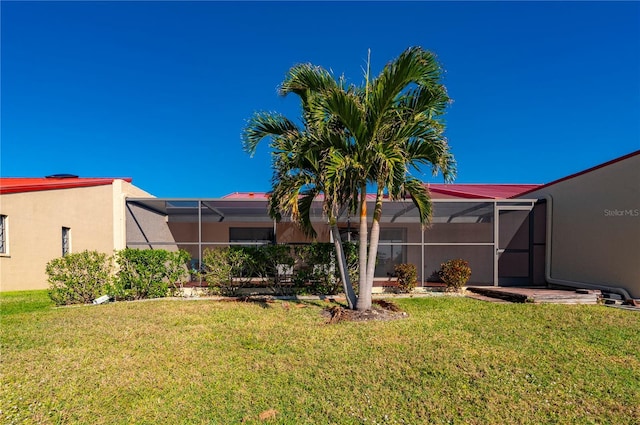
x=264 y=302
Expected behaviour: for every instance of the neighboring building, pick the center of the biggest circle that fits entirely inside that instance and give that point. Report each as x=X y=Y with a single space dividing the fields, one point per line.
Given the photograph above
x=593 y=226
x=45 y=218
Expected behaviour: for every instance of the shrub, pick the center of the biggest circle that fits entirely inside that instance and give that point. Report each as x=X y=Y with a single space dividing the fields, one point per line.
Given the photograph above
x=305 y=269
x=407 y=275
x=216 y=266
x=277 y=262
x=221 y=265
x=455 y=274
x=150 y=273
x=318 y=271
x=79 y=278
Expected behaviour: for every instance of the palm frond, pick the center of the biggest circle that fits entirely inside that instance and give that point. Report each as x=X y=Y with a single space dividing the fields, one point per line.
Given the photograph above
x=264 y=125
x=305 y=203
x=305 y=79
x=420 y=197
x=428 y=101
x=432 y=150
x=347 y=111
x=413 y=66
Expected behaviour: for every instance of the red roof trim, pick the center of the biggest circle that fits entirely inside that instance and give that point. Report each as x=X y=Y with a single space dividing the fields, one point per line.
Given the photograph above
x=588 y=170
x=480 y=191
x=20 y=185
x=463 y=191
x=246 y=195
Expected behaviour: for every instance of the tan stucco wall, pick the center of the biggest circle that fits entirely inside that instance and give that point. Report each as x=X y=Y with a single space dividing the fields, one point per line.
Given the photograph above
x=596 y=226
x=122 y=190
x=95 y=216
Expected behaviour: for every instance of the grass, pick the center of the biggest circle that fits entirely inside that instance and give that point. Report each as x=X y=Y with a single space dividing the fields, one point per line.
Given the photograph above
x=454 y=360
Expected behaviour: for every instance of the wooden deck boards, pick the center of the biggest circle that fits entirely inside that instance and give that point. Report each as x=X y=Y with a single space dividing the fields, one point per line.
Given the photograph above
x=537 y=295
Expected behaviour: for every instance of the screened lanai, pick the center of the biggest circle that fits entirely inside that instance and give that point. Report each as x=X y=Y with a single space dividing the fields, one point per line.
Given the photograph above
x=503 y=240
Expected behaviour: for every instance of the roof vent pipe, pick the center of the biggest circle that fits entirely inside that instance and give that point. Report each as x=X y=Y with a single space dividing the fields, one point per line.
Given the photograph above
x=547 y=267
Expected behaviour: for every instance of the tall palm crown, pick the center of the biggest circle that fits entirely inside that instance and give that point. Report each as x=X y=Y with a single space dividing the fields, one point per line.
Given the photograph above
x=394 y=123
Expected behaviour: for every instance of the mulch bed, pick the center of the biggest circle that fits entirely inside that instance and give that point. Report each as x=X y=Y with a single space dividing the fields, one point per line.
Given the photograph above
x=381 y=310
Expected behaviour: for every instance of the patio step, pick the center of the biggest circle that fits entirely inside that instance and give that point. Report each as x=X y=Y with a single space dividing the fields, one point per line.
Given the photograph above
x=485 y=298
x=498 y=295
x=538 y=295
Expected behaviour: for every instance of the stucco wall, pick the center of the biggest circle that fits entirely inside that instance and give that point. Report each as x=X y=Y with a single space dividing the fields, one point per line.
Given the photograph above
x=35 y=230
x=122 y=190
x=596 y=226
x=95 y=215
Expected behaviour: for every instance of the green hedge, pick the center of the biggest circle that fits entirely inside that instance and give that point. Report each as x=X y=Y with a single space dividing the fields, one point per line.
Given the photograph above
x=286 y=269
x=79 y=278
x=149 y=273
x=155 y=273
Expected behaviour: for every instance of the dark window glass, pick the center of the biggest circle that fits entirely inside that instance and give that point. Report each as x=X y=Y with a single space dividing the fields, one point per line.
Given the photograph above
x=66 y=240
x=3 y=234
x=256 y=235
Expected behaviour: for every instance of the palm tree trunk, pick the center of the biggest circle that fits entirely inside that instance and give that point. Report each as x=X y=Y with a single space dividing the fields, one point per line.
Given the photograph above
x=364 y=297
x=374 y=239
x=342 y=266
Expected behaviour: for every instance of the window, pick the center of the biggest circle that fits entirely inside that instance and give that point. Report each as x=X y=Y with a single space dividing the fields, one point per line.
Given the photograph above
x=66 y=241
x=4 y=249
x=256 y=235
x=391 y=251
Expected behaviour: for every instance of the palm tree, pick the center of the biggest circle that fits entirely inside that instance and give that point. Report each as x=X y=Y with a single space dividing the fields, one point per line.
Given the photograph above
x=355 y=138
x=394 y=126
x=308 y=161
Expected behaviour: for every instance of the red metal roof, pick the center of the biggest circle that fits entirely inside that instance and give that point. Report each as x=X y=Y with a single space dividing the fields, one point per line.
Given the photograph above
x=479 y=191
x=439 y=191
x=34 y=184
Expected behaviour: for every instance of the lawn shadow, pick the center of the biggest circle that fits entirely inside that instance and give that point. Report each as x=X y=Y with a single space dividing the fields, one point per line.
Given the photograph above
x=263 y=302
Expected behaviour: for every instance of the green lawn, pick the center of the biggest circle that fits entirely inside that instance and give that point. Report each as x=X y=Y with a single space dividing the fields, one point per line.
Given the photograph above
x=453 y=360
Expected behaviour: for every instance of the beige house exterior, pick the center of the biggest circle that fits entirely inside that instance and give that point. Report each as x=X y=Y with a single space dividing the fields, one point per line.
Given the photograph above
x=581 y=231
x=593 y=227
x=35 y=212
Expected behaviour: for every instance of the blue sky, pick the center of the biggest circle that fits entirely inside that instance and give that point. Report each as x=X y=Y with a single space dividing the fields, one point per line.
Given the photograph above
x=160 y=91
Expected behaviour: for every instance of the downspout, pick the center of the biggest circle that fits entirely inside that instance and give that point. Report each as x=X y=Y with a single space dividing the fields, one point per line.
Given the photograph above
x=547 y=266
